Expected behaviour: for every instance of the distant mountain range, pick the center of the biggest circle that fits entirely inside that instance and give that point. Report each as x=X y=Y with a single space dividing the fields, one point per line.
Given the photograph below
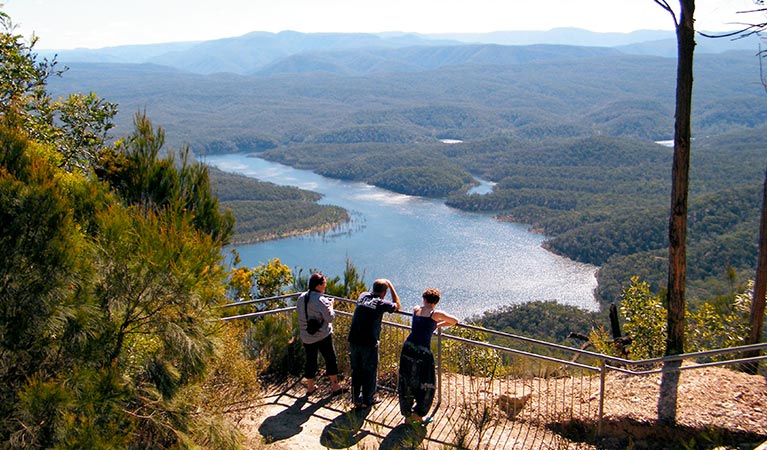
x=564 y=122
x=267 y=54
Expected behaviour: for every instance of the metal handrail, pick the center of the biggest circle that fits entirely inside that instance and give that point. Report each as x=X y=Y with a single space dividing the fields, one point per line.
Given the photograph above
x=599 y=356
x=605 y=363
x=258 y=300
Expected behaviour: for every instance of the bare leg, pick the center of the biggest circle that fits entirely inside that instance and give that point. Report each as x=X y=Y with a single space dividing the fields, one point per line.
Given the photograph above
x=310 y=388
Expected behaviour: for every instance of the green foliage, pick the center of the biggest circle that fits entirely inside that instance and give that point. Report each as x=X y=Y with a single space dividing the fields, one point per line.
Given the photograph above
x=602 y=341
x=722 y=325
x=107 y=309
x=273 y=340
x=471 y=359
x=645 y=321
x=717 y=323
x=77 y=126
x=549 y=321
x=233 y=376
x=121 y=329
x=352 y=284
x=272 y=277
x=135 y=170
x=43 y=309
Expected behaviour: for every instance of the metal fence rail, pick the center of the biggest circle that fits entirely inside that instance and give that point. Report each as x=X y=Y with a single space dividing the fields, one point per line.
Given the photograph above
x=499 y=390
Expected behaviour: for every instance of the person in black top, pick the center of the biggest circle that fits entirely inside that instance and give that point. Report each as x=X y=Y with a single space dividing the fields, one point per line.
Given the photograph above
x=364 y=334
x=416 y=380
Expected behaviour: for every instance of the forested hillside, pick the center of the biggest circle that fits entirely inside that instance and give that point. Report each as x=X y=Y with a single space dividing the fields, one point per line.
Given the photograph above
x=267 y=211
x=614 y=95
x=566 y=133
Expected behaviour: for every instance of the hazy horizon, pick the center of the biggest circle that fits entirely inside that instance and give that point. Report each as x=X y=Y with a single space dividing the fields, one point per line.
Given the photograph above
x=97 y=24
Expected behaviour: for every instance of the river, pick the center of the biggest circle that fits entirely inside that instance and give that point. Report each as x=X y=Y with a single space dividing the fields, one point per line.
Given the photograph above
x=478 y=263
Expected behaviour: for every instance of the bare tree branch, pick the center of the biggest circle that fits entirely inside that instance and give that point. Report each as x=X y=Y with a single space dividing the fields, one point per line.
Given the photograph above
x=747 y=29
x=664 y=4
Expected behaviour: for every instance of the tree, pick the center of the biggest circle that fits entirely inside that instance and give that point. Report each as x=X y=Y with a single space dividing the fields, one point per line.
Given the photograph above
x=760 y=285
x=106 y=312
x=41 y=271
x=107 y=304
x=680 y=175
x=22 y=76
x=135 y=170
x=77 y=126
x=677 y=230
x=645 y=320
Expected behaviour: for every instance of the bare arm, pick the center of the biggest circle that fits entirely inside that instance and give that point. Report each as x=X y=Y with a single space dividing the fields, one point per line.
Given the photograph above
x=444 y=319
x=394 y=295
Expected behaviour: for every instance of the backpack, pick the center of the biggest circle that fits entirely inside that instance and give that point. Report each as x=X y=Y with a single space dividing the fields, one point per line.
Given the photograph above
x=312 y=325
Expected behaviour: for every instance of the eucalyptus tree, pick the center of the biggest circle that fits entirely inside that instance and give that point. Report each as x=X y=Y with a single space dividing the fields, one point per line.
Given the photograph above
x=756 y=320
x=760 y=283
x=684 y=23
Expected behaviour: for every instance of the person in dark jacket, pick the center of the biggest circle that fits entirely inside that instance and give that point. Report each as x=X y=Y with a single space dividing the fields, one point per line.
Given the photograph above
x=364 y=335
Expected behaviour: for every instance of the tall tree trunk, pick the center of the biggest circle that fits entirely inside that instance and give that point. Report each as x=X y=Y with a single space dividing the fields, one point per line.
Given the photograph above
x=760 y=285
x=677 y=229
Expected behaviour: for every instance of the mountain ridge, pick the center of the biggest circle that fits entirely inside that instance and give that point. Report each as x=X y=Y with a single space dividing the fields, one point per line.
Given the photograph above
x=255 y=51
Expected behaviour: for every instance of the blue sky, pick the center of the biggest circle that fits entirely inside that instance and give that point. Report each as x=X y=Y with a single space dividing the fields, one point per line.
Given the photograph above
x=64 y=24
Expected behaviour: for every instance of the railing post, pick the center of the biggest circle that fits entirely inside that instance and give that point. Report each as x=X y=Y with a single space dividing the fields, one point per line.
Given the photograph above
x=602 y=376
x=439 y=364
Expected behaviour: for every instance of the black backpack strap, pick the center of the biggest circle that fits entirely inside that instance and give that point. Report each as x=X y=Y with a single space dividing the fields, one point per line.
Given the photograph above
x=306 y=304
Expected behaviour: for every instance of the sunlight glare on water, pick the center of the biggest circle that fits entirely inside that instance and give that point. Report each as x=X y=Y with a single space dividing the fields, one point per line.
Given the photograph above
x=478 y=263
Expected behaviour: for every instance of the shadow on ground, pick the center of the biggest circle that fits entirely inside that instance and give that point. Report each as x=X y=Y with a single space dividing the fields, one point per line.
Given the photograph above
x=404 y=436
x=345 y=430
x=289 y=422
x=652 y=435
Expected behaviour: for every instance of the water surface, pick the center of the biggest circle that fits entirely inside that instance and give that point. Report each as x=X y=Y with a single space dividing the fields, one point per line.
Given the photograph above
x=477 y=262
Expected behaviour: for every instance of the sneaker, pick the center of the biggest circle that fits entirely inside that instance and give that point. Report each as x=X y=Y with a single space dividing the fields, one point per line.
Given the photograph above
x=422 y=421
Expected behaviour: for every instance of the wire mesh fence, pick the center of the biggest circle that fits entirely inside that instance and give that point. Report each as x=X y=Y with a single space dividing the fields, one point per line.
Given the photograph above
x=494 y=390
